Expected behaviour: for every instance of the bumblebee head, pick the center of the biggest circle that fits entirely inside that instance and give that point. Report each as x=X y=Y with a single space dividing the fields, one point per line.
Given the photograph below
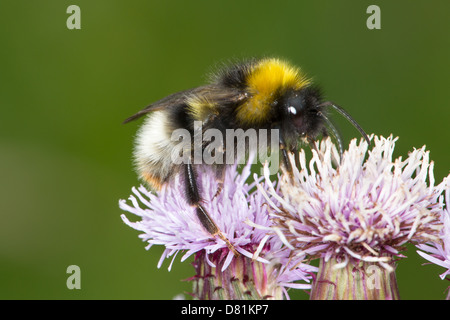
x=302 y=113
x=304 y=117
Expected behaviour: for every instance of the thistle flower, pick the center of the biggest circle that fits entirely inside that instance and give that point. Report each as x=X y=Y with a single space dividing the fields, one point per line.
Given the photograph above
x=263 y=270
x=439 y=251
x=358 y=215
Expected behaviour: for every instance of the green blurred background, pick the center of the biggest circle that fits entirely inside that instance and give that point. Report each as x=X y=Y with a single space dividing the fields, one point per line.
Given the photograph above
x=65 y=156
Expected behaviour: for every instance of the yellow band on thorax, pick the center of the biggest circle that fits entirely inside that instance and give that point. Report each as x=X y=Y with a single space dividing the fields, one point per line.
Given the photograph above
x=268 y=78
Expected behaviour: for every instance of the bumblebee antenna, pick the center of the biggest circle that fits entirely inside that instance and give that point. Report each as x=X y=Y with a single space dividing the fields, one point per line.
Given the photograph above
x=334 y=132
x=346 y=115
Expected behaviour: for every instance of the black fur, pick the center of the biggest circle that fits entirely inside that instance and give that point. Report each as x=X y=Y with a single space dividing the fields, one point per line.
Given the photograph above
x=236 y=75
x=180 y=117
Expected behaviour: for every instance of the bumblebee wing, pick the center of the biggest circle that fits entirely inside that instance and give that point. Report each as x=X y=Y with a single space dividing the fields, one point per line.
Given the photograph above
x=221 y=95
x=167 y=102
x=215 y=94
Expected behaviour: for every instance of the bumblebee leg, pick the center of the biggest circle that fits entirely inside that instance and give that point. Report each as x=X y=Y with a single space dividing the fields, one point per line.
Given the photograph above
x=284 y=154
x=296 y=157
x=311 y=143
x=220 y=176
x=194 y=199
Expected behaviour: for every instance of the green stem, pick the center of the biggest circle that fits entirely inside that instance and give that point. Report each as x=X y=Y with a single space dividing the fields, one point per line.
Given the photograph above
x=357 y=280
x=243 y=279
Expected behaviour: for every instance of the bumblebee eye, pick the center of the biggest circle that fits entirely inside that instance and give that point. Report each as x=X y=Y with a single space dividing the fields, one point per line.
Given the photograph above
x=292 y=110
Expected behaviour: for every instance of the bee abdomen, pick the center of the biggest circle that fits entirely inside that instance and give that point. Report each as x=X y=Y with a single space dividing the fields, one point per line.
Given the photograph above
x=153 y=152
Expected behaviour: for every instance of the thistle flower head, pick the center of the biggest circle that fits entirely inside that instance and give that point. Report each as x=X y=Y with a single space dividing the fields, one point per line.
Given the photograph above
x=439 y=251
x=366 y=208
x=167 y=219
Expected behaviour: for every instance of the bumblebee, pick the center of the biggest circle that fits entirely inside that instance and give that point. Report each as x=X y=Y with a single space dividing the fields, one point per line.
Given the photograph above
x=266 y=93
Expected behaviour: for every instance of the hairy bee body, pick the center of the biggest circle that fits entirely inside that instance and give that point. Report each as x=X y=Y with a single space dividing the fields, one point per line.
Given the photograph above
x=257 y=94
x=154 y=148
x=245 y=95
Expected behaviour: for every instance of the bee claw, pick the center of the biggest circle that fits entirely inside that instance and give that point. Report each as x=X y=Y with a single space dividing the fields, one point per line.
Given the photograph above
x=219 y=190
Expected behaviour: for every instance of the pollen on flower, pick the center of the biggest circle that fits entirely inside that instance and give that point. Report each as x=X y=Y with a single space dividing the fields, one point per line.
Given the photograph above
x=367 y=208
